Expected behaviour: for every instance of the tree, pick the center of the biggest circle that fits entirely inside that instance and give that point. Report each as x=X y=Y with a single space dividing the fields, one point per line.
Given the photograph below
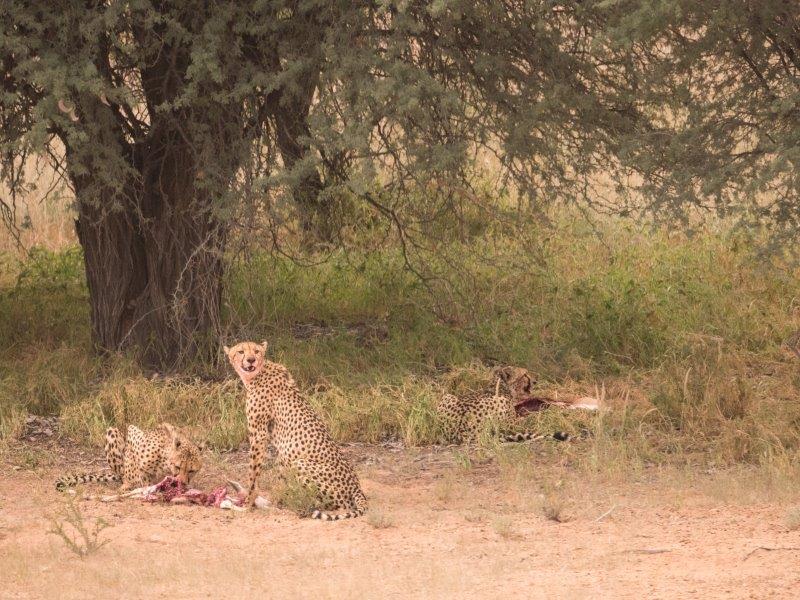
x=717 y=108
x=170 y=119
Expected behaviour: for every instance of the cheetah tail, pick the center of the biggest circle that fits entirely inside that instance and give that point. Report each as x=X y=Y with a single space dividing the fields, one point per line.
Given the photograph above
x=560 y=436
x=66 y=481
x=360 y=502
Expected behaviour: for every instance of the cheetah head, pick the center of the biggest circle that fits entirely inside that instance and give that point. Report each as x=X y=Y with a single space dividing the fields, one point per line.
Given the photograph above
x=518 y=380
x=247 y=359
x=183 y=455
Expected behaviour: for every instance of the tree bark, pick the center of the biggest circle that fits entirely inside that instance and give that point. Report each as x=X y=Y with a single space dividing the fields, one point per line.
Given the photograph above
x=290 y=109
x=154 y=261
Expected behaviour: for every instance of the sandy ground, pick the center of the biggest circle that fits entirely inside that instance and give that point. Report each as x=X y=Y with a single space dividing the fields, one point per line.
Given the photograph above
x=437 y=530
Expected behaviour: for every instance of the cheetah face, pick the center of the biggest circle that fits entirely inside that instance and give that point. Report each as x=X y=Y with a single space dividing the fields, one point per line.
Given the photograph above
x=247 y=359
x=518 y=380
x=184 y=460
x=183 y=456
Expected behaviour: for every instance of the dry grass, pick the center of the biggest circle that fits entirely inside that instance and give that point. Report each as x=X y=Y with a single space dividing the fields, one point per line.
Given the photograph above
x=379 y=518
x=12 y=424
x=504 y=527
x=44 y=217
x=681 y=337
x=552 y=506
x=793 y=519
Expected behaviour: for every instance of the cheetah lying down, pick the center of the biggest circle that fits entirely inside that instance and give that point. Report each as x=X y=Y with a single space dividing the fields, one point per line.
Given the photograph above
x=142 y=457
x=465 y=419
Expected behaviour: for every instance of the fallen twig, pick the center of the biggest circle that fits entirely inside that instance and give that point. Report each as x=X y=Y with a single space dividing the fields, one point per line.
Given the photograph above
x=605 y=514
x=645 y=551
x=769 y=549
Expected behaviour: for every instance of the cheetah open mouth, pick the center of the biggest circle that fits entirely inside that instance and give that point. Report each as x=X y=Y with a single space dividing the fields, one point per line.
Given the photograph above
x=248 y=368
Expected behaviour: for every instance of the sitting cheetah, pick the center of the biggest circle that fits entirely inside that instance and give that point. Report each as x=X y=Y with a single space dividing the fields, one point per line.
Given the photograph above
x=464 y=419
x=278 y=413
x=144 y=458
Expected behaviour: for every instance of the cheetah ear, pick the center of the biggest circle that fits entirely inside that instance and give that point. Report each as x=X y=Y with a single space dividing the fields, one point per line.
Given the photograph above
x=202 y=446
x=264 y=346
x=527 y=382
x=504 y=373
x=226 y=350
x=172 y=432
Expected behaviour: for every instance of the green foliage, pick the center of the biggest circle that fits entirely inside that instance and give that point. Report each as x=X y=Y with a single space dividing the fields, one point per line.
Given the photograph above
x=47 y=301
x=47 y=270
x=318 y=99
x=318 y=122
x=683 y=333
x=716 y=92
x=288 y=491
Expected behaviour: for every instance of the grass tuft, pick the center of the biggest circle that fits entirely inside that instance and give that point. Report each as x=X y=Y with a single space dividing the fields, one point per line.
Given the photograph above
x=504 y=527
x=552 y=506
x=793 y=519
x=379 y=519
x=287 y=491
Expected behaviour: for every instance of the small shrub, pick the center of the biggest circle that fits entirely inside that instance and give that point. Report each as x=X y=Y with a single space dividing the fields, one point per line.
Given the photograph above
x=81 y=539
x=12 y=421
x=474 y=517
x=379 y=519
x=552 y=507
x=504 y=527
x=289 y=492
x=445 y=489
x=32 y=458
x=552 y=503
x=50 y=269
x=463 y=460
x=793 y=519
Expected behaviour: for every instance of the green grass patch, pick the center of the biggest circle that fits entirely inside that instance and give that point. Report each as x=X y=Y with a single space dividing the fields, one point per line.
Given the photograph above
x=684 y=335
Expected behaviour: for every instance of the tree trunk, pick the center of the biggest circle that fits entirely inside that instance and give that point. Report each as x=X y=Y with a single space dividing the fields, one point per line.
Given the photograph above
x=290 y=109
x=307 y=187
x=153 y=261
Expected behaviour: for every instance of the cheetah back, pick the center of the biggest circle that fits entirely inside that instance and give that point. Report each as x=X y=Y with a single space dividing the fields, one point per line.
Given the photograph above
x=302 y=441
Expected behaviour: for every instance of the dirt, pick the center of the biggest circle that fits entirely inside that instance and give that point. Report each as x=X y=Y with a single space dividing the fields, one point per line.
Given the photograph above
x=437 y=529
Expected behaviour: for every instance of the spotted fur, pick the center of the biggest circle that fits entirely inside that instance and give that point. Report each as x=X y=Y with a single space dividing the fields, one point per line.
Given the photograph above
x=277 y=413
x=143 y=458
x=464 y=419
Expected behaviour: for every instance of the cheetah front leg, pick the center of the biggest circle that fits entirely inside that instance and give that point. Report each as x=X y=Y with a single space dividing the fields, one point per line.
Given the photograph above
x=131 y=473
x=259 y=440
x=115 y=451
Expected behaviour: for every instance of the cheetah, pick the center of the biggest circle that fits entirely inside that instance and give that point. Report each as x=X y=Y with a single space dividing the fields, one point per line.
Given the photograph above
x=143 y=458
x=277 y=413
x=464 y=419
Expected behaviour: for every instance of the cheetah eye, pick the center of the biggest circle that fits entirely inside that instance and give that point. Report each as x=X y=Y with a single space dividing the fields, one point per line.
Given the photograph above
x=240 y=352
